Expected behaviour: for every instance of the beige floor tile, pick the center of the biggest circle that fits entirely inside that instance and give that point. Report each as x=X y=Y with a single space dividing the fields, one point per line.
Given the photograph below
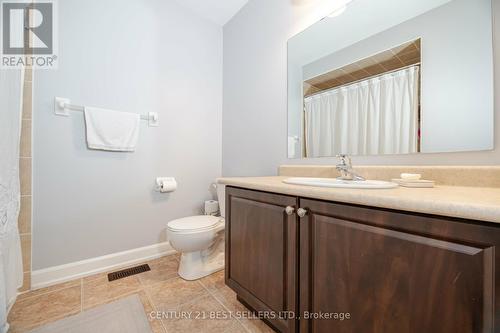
x=252 y=324
x=256 y=326
x=46 y=290
x=162 y=262
x=162 y=269
x=237 y=329
x=161 y=290
x=214 y=281
x=41 y=309
x=227 y=297
x=156 y=324
x=200 y=313
x=172 y=293
x=98 y=290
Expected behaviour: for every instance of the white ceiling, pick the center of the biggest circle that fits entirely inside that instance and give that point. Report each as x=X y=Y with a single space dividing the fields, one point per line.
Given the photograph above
x=218 y=11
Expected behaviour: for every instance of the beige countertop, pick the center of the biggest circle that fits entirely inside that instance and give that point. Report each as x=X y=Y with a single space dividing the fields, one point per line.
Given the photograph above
x=476 y=203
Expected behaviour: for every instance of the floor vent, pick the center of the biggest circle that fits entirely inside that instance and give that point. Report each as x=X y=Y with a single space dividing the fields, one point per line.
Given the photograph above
x=128 y=272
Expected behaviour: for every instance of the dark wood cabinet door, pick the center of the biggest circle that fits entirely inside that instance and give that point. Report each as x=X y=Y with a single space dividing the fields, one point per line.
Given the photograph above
x=261 y=253
x=396 y=272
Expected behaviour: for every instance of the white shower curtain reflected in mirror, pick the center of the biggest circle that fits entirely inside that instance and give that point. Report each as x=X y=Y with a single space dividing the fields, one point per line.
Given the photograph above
x=11 y=271
x=375 y=116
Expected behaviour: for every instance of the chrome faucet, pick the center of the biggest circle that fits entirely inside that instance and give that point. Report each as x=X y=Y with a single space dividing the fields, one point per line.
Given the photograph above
x=345 y=169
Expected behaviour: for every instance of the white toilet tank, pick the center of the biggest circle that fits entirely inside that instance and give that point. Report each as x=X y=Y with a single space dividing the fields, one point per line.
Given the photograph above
x=221 y=197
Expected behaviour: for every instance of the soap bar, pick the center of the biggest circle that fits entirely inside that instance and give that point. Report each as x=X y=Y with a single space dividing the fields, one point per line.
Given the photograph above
x=411 y=176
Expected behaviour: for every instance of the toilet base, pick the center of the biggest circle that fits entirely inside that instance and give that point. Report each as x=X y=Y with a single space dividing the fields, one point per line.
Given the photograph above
x=195 y=265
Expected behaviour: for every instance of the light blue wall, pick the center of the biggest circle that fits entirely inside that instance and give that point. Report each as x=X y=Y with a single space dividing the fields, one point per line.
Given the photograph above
x=135 y=56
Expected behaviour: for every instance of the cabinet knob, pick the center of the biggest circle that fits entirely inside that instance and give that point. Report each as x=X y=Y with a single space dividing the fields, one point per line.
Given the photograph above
x=301 y=212
x=289 y=210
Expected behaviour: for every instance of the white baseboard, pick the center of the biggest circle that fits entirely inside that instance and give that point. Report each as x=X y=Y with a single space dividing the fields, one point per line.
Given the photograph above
x=57 y=274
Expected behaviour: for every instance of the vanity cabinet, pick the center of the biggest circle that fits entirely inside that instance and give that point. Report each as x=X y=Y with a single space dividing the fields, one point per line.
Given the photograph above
x=390 y=271
x=261 y=254
x=396 y=272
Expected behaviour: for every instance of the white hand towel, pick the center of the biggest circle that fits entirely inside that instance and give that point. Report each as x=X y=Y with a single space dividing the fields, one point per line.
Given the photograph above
x=111 y=130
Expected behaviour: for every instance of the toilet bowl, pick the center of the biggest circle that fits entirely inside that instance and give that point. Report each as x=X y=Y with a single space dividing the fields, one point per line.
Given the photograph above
x=200 y=240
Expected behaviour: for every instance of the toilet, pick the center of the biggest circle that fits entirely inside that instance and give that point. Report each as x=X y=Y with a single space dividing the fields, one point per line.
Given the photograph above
x=200 y=240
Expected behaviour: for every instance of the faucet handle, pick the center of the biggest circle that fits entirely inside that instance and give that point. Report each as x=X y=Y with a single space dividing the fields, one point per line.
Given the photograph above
x=345 y=160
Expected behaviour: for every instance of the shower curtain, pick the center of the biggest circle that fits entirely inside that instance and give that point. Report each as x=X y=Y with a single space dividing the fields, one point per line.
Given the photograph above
x=371 y=117
x=11 y=269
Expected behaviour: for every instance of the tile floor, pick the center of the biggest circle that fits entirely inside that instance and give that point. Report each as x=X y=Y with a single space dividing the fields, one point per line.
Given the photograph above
x=159 y=290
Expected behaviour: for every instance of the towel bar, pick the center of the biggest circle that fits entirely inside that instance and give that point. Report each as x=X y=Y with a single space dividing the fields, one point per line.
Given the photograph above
x=62 y=106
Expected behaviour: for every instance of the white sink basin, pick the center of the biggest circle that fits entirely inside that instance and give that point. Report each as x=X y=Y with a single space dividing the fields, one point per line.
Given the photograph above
x=333 y=182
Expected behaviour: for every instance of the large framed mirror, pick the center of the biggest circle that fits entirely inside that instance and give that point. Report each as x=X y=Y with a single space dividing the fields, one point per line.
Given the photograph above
x=393 y=77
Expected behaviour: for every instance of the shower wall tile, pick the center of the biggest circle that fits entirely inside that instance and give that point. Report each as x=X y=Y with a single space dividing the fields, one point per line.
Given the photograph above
x=26 y=282
x=27 y=99
x=25 y=168
x=24 y=221
x=25 y=175
x=25 y=149
x=28 y=74
x=26 y=249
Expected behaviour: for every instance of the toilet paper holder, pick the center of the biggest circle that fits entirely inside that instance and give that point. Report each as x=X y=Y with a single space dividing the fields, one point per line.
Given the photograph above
x=166 y=184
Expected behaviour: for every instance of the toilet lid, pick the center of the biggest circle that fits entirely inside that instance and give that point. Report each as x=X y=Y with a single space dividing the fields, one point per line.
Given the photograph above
x=194 y=223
